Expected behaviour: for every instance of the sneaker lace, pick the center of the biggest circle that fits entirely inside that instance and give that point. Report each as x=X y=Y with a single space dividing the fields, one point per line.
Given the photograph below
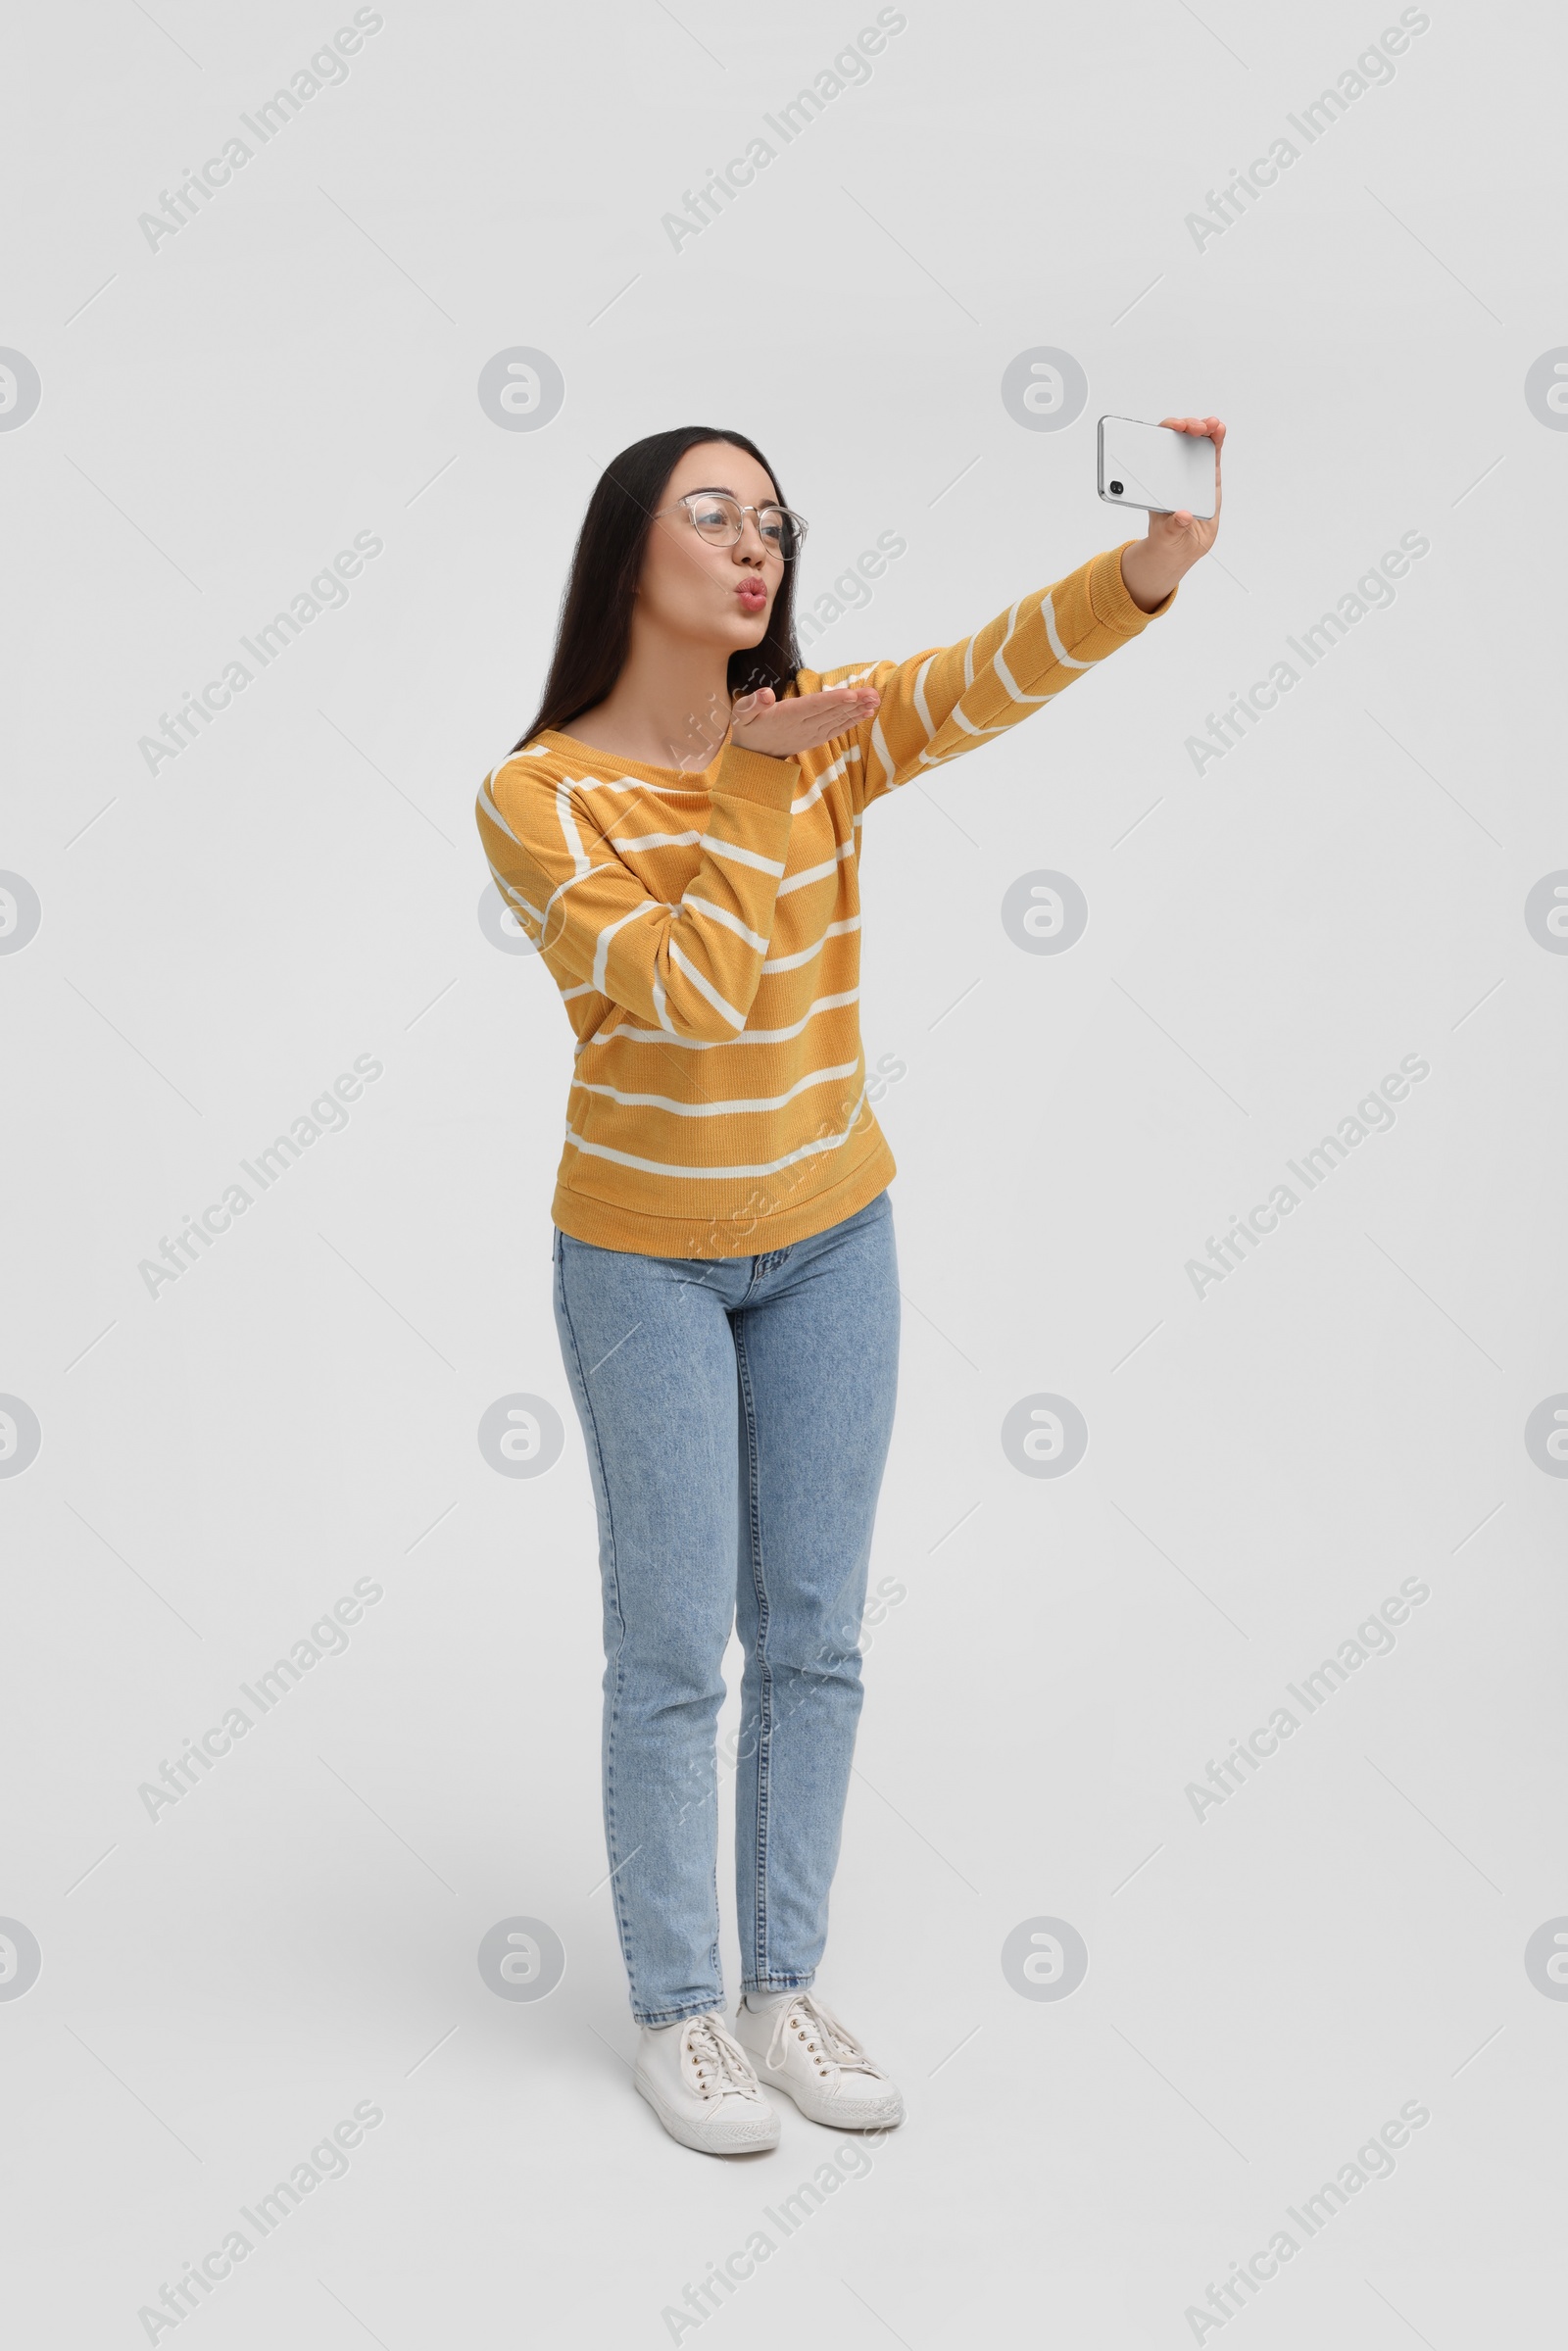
x=805 y=2013
x=714 y=2061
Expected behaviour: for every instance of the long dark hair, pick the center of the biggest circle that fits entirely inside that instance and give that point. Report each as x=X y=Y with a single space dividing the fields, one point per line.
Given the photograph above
x=594 y=634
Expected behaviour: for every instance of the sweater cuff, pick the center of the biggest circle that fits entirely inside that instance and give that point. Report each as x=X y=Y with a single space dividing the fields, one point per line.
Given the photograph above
x=751 y=775
x=1112 y=606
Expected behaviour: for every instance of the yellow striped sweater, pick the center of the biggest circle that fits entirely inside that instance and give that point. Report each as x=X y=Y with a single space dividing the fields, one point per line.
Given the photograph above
x=703 y=930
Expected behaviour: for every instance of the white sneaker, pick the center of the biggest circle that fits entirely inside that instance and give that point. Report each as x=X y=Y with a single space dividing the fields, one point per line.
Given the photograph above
x=699 y=2081
x=807 y=2053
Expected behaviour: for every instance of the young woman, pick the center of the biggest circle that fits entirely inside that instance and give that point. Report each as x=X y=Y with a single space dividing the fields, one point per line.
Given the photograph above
x=678 y=833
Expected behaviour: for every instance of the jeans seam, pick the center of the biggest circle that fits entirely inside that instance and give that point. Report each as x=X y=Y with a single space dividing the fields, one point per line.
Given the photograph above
x=764 y=1678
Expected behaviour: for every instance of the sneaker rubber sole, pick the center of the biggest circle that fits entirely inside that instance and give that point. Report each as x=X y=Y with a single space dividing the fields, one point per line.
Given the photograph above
x=732 y=2138
x=871 y=2114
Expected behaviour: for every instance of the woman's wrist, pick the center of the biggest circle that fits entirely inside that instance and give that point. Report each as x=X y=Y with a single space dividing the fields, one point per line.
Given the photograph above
x=1148 y=574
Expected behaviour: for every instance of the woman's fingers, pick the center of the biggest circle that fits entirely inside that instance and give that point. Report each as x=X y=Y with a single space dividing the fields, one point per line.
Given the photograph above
x=804 y=720
x=834 y=699
x=832 y=703
x=1209 y=426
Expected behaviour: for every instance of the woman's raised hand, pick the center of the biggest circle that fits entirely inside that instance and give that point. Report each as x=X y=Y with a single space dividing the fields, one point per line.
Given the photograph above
x=1151 y=567
x=777 y=729
x=1182 y=529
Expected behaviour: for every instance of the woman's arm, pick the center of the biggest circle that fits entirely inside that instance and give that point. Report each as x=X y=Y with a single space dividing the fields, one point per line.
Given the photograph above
x=693 y=969
x=942 y=702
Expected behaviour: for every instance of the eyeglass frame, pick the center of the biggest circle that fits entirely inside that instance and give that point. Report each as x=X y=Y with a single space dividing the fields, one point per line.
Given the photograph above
x=768 y=506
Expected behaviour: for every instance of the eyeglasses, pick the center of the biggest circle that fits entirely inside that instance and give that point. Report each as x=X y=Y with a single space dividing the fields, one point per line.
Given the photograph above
x=719 y=519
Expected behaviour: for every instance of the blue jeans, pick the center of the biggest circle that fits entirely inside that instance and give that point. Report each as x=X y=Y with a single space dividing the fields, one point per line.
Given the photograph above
x=737 y=1413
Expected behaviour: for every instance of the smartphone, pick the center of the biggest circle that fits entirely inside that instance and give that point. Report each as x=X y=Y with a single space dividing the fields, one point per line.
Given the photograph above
x=1152 y=467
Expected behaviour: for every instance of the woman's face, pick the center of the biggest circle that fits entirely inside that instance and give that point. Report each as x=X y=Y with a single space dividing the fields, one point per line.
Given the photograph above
x=717 y=596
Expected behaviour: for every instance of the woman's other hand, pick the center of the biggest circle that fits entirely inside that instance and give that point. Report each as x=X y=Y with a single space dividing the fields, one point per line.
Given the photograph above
x=777 y=729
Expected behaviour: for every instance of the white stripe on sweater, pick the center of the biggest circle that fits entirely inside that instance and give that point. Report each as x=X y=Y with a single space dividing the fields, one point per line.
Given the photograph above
x=742 y=1106
x=1011 y=682
x=508 y=889
x=921 y=676
x=731 y=849
x=852 y=922
x=709 y=1045
x=880 y=744
x=602 y=943
x=704 y=987
x=494 y=814
x=665 y=1167
x=731 y=922
x=653 y=840
x=569 y=827
x=820 y=783
x=1048 y=616
x=816 y=873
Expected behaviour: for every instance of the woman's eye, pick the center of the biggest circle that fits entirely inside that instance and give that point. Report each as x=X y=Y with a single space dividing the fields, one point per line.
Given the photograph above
x=710 y=518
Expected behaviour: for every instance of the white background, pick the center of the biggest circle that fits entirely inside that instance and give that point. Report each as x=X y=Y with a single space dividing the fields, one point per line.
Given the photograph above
x=219 y=1463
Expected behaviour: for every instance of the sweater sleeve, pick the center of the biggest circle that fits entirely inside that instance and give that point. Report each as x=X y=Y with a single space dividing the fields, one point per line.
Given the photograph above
x=936 y=705
x=692 y=970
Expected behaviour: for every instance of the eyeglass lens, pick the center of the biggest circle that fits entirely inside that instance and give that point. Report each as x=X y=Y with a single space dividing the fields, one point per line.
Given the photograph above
x=720 y=520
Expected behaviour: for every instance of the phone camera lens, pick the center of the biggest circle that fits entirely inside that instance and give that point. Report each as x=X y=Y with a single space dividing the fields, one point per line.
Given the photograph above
x=1115 y=489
